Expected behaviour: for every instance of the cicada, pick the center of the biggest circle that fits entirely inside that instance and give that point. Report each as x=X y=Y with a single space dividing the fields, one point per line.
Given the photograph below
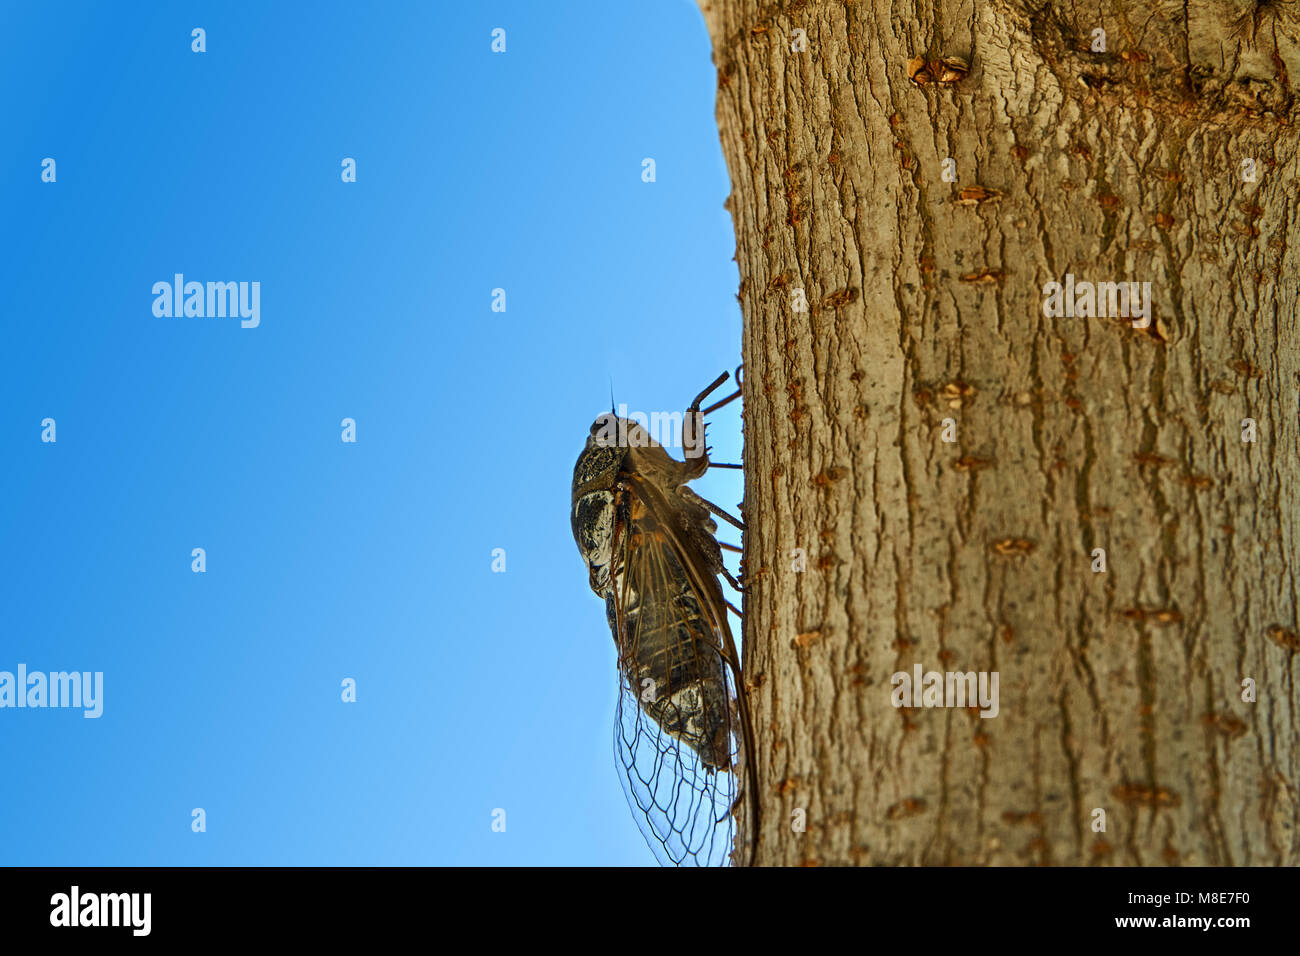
x=682 y=739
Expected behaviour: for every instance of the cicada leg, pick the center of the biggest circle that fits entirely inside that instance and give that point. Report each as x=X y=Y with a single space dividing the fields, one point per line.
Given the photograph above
x=721 y=513
x=733 y=582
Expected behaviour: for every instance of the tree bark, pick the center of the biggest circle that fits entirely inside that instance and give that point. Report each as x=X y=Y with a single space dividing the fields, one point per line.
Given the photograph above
x=1119 y=690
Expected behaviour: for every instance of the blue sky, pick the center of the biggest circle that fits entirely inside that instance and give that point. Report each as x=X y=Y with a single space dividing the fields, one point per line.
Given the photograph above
x=327 y=560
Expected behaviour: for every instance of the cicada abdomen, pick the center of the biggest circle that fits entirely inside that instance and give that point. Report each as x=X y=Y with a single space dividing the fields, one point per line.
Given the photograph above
x=681 y=735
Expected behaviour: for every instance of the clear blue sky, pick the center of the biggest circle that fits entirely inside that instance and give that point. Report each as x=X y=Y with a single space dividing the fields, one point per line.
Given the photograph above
x=328 y=560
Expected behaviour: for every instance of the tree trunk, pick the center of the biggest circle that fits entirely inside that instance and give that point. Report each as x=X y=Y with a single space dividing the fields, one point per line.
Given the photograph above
x=1120 y=690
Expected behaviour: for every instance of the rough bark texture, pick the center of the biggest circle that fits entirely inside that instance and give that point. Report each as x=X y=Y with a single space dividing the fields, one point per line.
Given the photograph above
x=1119 y=690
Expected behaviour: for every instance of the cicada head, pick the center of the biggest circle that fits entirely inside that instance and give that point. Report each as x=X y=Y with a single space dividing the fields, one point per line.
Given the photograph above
x=593 y=503
x=602 y=458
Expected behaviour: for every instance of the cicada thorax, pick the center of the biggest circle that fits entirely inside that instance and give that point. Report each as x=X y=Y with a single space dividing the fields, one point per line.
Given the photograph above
x=605 y=469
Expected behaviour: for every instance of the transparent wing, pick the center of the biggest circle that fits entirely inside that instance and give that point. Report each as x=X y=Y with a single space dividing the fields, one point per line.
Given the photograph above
x=683 y=809
x=676 y=734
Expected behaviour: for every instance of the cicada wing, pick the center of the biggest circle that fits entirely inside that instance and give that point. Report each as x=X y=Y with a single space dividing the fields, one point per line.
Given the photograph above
x=676 y=736
x=683 y=809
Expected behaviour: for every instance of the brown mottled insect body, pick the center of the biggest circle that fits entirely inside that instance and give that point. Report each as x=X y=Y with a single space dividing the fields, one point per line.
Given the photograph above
x=629 y=509
x=673 y=663
x=649 y=545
